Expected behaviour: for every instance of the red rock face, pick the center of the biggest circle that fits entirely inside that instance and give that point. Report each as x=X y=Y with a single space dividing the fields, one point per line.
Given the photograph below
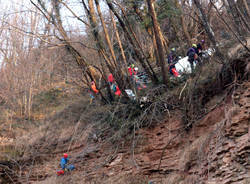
x=216 y=150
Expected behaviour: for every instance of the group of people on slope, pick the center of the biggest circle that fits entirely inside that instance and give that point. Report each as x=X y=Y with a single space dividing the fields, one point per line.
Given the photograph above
x=113 y=85
x=194 y=53
x=133 y=77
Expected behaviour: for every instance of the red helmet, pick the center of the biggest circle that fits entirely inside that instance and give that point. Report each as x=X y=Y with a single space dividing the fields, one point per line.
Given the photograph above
x=65 y=155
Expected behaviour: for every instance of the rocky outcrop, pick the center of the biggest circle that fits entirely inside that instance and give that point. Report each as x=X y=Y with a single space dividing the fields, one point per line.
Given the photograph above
x=230 y=147
x=216 y=150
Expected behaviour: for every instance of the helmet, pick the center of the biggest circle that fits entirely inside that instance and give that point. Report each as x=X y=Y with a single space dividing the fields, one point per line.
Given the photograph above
x=202 y=41
x=136 y=68
x=132 y=65
x=65 y=155
x=194 y=45
x=173 y=49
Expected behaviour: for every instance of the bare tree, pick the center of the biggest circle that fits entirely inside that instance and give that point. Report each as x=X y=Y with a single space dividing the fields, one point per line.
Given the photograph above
x=159 y=41
x=138 y=50
x=55 y=19
x=209 y=30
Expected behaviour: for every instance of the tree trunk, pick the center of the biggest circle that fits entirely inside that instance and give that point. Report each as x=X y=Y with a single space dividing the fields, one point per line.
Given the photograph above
x=183 y=23
x=242 y=17
x=247 y=9
x=209 y=30
x=56 y=21
x=136 y=39
x=137 y=52
x=159 y=41
x=119 y=42
x=230 y=29
x=236 y=17
x=106 y=32
x=114 y=70
x=149 y=31
x=155 y=50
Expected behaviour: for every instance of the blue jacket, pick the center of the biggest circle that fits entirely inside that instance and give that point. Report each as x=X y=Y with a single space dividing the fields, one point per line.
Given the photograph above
x=63 y=162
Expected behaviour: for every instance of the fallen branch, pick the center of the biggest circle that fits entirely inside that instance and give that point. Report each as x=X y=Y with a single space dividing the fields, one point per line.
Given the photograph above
x=182 y=90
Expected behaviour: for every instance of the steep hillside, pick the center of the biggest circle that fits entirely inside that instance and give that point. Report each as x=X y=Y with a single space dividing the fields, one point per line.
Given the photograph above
x=215 y=149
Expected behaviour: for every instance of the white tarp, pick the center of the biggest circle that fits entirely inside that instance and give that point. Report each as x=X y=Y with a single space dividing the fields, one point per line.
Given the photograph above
x=183 y=65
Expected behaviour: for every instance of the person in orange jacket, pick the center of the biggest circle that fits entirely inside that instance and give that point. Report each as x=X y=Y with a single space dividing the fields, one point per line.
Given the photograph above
x=93 y=87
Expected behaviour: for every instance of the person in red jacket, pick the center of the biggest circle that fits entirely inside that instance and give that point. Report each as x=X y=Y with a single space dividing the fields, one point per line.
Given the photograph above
x=131 y=70
x=110 y=79
x=116 y=89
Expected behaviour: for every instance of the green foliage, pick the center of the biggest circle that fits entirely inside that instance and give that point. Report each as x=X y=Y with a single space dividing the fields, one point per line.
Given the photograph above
x=166 y=9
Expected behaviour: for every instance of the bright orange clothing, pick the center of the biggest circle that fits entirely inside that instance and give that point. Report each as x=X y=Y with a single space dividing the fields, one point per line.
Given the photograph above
x=93 y=87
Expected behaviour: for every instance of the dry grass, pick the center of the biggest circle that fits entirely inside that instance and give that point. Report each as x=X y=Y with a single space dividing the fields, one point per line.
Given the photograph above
x=173 y=178
x=78 y=179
